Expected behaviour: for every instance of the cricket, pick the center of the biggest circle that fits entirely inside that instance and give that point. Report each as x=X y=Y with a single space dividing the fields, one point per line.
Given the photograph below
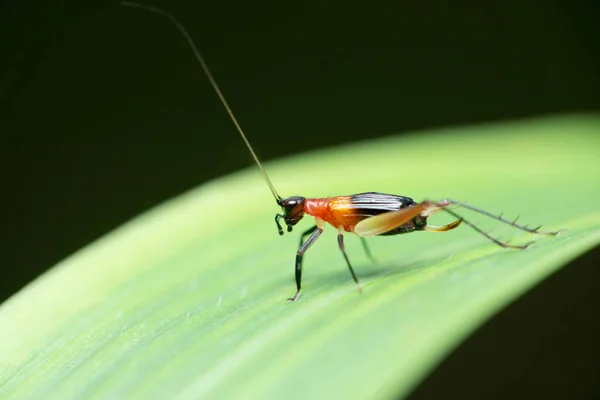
x=364 y=214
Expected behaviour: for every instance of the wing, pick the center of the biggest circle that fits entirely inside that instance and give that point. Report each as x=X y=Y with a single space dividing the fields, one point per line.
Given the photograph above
x=370 y=204
x=387 y=221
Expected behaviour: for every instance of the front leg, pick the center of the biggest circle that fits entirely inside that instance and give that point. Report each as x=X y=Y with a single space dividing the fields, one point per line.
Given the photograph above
x=305 y=234
x=314 y=233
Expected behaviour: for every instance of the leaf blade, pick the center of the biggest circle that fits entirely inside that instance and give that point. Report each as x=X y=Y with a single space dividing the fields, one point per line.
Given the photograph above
x=190 y=296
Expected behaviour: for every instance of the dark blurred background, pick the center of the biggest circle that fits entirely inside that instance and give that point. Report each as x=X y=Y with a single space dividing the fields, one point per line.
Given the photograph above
x=105 y=113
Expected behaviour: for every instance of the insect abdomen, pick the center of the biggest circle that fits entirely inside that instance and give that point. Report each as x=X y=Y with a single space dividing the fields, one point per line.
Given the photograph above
x=347 y=211
x=371 y=204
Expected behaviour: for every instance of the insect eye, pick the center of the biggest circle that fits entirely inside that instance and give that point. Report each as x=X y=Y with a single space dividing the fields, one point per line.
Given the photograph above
x=293 y=205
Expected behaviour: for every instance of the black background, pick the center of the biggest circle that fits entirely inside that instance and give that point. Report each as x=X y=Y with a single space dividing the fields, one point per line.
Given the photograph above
x=105 y=113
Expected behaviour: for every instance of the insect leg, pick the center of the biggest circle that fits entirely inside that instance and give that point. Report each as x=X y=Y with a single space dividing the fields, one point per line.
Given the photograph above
x=306 y=233
x=493 y=239
x=367 y=250
x=279 y=228
x=314 y=233
x=499 y=218
x=388 y=221
x=444 y=228
x=341 y=244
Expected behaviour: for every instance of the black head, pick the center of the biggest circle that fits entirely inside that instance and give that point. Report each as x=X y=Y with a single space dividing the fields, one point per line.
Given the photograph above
x=293 y=211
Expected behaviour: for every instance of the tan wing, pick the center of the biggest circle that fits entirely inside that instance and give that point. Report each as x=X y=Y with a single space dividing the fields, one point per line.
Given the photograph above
x=386 y=222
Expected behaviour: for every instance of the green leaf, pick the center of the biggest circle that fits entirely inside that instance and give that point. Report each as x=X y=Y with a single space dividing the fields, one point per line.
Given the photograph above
x=189 y=299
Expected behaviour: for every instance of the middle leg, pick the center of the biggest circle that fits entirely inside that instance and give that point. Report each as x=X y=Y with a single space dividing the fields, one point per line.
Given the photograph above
x=343 y=249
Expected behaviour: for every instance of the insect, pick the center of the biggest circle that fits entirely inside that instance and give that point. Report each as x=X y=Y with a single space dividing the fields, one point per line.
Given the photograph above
x=364 y=214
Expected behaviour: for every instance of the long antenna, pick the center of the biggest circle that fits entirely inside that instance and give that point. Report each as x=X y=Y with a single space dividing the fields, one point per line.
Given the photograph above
x=200 y=59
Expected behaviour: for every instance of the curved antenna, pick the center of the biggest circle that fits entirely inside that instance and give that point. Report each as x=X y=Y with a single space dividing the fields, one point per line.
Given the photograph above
x=200 y=59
